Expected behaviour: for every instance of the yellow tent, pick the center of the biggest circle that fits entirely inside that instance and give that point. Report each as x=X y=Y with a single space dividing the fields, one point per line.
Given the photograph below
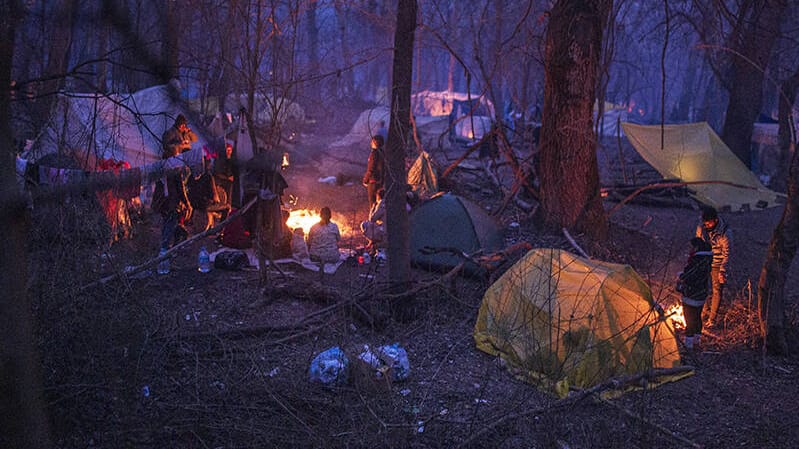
x=563 y=321
x=693 y=152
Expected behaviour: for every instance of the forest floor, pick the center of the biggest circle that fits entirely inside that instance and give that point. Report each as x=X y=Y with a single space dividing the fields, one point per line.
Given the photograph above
x=220 y=359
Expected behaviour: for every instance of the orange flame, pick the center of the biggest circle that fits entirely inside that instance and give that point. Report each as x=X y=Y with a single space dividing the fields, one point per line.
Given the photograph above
x=676 y=316
x=302 y=218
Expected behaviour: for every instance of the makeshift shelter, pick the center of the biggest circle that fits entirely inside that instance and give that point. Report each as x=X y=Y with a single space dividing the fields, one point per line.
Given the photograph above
x=562 y=321
x=451 y=222
x=422 y=177
x=693 y=152
x=124 y=127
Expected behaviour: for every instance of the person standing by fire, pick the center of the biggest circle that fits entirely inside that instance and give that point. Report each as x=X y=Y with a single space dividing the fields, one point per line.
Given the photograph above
x=692 y=284
x=375 y=170
x=715 y=232
x=178 y=138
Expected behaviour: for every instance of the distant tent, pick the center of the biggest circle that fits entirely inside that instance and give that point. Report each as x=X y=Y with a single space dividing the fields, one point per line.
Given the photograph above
x=124 y=127
x=365 y=127
x=422 y=178
x=693 y=152
x=449 y=221
x=563 y=321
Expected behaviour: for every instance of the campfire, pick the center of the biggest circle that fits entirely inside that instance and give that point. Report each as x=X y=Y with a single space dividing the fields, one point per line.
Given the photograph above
x=676 y=316
x=305 y=218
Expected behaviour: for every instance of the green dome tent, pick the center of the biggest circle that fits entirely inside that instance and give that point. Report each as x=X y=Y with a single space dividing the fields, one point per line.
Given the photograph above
x=563 y=321
x=449 y=221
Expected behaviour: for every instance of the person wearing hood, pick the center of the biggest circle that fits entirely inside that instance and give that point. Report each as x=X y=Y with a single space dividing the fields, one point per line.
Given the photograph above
x=692 y=283
x=714 y=231
x=178 y=138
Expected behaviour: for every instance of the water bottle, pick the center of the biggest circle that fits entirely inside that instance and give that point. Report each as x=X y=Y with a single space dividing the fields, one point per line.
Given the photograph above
x=163 y=266
x=204 y=261
x=380 y=257
x=367 y=258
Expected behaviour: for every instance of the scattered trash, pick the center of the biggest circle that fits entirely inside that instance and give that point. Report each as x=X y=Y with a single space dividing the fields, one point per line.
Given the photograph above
x=274 y=372
x=188 y=317
x=145 y=391
x=330 y=367
x=328 y=180
x=420 y=426
x=443 y=412
x=396 y=358
x=218 y=384
x=514 y=225
x=405 y=391
x=231 y=260
x=481 y=401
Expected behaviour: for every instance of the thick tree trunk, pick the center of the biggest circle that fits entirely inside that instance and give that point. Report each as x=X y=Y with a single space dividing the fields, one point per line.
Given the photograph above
x=570 y=195
x=753 y=46
x=781 y=252
x=22 y=417
x=398 y=227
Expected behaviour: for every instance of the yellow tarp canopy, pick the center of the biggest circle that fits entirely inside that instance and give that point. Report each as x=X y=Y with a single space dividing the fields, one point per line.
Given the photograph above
x=693 y=152
x=563 y=321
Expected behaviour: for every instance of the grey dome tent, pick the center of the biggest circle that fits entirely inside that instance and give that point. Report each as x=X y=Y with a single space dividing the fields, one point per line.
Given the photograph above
x=449 y=221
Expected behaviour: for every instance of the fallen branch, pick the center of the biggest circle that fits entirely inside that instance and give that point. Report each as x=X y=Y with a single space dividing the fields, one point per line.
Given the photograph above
x=574 y=244
x=668 y=185
x=172 y=250
x=578 y=396
x=656 y=426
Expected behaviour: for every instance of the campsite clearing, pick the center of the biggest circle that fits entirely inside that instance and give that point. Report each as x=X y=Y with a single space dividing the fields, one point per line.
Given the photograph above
x=216 y=359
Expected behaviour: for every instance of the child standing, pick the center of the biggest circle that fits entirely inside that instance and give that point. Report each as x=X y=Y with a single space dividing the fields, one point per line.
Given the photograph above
x=693 y=283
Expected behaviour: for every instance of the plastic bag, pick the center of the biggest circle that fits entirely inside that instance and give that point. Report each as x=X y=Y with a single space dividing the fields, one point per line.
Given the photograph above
x=396 y=358
x=330 y=367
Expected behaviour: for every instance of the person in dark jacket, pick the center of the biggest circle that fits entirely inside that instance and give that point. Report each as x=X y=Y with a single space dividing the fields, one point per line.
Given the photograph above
x=715 y=232
x=692 y=283
x=178 y=138
x=375 y=170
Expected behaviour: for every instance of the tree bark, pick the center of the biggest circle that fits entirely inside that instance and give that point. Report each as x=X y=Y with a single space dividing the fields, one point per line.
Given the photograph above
x=781 y=252
x=787 y=136
x=22 y=415
x=752 y=43
x=398 y=227
x=570 y=196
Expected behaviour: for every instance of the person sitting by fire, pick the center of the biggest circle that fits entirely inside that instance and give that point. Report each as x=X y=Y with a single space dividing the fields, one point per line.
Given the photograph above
x=374 y=228
x=692 y=283
x=323 y=238
x=178 y=138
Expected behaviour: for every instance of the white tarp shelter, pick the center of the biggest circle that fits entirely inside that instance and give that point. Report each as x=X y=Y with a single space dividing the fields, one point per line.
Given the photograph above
x=125 y=127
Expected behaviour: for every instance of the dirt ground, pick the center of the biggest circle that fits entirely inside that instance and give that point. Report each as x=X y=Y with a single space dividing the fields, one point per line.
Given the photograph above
x=220 y=360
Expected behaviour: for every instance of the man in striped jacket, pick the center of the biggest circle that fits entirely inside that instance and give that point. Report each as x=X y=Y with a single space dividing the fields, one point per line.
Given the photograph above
x=714 y=231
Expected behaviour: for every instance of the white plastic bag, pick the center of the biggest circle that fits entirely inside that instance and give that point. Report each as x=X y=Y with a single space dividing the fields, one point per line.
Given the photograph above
x=330 y=367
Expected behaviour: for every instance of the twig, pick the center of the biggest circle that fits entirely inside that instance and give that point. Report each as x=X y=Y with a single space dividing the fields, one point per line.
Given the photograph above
x=611 y=384
x=657 y=426
x=574 y=244
x=175 y=248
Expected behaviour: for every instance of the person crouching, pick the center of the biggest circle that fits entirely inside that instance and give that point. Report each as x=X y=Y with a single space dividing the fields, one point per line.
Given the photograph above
x=693 y=284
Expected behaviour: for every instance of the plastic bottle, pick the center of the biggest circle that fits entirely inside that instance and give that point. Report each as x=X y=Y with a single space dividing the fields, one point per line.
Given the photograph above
x=163 y=266
x=367 y=259
x=204 y=261
x=380 y=257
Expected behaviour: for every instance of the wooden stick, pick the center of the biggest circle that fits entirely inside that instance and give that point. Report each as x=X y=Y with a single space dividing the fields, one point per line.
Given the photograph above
x=175 y=248
x=672 y=184
x=574 y=244
x=580 y=395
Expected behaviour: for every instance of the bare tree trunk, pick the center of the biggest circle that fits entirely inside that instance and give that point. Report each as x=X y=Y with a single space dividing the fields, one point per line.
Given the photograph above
x=570 y=196
x=22 y=415
x=753 y=46
x=169 y=45
x=398 y=228
x=64 y=12
x=312 y=89
x=787 y=135
x=781 y=252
